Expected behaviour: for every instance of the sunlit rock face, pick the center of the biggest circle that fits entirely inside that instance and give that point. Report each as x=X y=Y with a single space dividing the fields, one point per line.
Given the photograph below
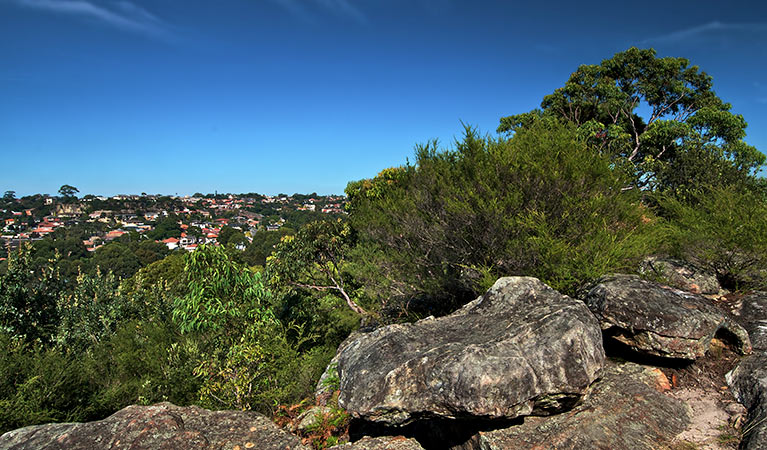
x=661 y=321
x=624 y=409
x=522 y=348
x=161 y=426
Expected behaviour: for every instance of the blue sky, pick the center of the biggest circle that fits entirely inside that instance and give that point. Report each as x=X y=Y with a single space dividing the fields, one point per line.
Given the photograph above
x=184 y=96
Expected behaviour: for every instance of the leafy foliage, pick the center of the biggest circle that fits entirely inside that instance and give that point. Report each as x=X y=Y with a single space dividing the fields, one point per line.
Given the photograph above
x=685 y=116
x=723 y=229
x=92 y=311
x=263 y=245
x=220 y=293
x=229 y=235
x=40 y=385
x=28 y=298
x=314 y=259
x=540 y=204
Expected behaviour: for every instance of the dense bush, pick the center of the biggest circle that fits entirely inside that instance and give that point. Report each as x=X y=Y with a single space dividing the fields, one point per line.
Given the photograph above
x=28 y=298
x=40 y=385
x=249 y=358
x=723 y=229
x=540 y=203
x=194 y=328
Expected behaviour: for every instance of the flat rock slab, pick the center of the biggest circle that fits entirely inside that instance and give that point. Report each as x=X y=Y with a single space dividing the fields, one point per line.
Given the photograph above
x=623 y=410
x=381 y=443
x=161 y=426
x=522 y=348
x=661 y=321
x=682 y=275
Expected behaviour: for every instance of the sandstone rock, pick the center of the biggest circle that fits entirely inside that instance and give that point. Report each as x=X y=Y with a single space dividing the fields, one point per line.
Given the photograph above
x=748 y=382
x=621 y=411
x=683 y=275
x=749 y=379
x=753 y=317
x=660 y=321
x=161 y=426
x=309 y=418
x=520 y=349
x=381 y=443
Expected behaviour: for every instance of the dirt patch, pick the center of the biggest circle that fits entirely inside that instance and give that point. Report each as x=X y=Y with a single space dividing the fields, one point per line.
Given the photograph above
x=716 y=415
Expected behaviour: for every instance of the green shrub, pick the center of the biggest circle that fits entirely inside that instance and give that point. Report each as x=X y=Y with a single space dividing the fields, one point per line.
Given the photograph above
x=28 y=298
x=221 y=294
x=261 y=371
x=39 y=385
x=90 y=312
x=541 y=203
x=723 y=229
x=144 y=362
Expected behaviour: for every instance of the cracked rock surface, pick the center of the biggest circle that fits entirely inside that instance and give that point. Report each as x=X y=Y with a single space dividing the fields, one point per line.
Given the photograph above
x=659 y=320
x=749 y=379
x=623 y=410
x=160 y=426
x=381 y=443
x=522 y=348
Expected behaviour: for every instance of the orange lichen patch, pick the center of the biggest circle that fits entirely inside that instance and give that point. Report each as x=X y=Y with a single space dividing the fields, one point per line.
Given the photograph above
x=662 y=383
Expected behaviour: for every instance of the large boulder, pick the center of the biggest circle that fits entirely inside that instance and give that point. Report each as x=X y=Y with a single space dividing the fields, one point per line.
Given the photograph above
x=681 y=274
x=161 y=426
x=659 y=320
x=623 y=410
x=522 y=348
x=749 y=378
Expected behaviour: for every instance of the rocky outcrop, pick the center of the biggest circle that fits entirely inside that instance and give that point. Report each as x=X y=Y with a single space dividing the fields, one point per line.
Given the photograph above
x=749 y=379
x=520 y=349
x=681 y=274
x=161 y=426
x=661 y=321
x=310 y=418
x=623 y=410
x=381 y=443
x=753 y=317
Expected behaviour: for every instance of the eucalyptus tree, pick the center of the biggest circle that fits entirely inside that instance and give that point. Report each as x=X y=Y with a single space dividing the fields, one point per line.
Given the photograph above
x=655 y=114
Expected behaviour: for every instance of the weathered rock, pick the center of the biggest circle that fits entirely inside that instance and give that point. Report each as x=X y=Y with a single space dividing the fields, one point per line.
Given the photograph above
x=749 y=379
x=683 y=275
x=661 y=321
x=753 y=317
x=381 y=443
x=328 y=382
x=621 y=411
x=161 y=426
x=309 y=418
x=520 y=349
x=748 y=382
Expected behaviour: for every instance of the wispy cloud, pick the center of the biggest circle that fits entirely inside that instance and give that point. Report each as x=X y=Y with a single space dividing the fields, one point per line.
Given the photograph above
x=123 y=15
x=705 y=29
x=306 y=9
